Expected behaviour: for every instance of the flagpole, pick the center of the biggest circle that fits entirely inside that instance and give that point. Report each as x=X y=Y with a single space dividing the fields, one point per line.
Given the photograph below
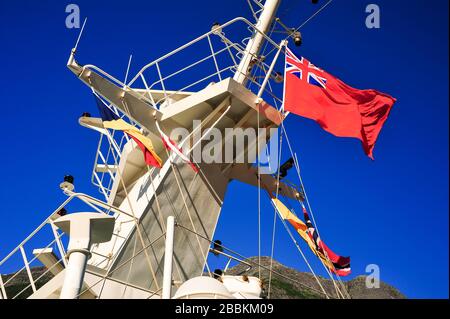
x=283 y=43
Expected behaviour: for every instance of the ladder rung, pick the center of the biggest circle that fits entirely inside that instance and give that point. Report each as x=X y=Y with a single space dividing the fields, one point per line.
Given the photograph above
x=103 y=168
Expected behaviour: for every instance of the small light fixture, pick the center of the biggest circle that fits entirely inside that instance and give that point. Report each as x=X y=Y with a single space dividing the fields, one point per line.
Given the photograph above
x=283 y=171
x=217 y=247
x=297 y=36
x=67 y=183
x=68 y=178
x=217 y=273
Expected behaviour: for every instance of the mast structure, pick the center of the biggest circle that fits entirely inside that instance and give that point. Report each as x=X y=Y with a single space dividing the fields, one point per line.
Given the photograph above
x=133 y=264
x=255 y=43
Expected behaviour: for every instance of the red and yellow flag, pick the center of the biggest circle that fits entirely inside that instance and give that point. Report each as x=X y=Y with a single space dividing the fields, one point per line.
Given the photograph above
x=114 y=122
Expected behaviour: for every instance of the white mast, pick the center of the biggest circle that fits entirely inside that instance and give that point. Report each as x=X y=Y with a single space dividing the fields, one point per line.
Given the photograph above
x=255 y=43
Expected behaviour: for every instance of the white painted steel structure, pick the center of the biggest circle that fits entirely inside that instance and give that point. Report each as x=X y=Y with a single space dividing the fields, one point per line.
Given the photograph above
x=143 y=203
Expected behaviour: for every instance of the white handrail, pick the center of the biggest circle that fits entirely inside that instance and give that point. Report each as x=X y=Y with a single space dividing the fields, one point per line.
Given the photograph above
x=81 y=196
x=241 y=19
x=127 y=86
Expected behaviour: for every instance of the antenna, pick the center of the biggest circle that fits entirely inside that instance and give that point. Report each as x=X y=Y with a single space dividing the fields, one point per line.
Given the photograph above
x=128 y=69
x=79 y=36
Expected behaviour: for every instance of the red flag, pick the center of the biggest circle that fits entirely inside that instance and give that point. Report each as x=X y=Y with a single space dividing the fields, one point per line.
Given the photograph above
x=171 y=146
x=337 y=107
x=149 y=157
x=113 y=121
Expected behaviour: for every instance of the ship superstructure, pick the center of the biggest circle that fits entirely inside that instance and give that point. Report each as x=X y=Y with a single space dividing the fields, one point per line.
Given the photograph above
x=151 y=233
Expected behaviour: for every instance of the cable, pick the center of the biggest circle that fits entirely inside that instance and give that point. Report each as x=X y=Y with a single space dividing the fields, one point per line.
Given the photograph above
x=255 y=263
x=297 y=167
x=275 y=214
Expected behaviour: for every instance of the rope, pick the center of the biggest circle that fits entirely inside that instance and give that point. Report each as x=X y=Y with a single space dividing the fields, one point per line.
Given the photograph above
x=298 y=172
x=134 y=216
x=110 y=272
x=116 y=162
x=259 y=199
x=158 y=207
x=275 y=215
x=187 y=210
x=176 y=213
x=190 y=217
x=305 y=22
x=303 y=255
x=258 y=264
x=141 y=239
x=338 y=292
x=259 y=164
x=184 y=201
x=318 y=233
x=297 y=168
x=312 y=16
x=131 y=266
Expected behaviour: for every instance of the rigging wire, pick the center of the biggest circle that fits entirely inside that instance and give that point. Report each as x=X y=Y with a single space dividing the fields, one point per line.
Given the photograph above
x=128 y=70
x=338 y=292
x=157 y=201
x=305 y=22
x=294 y=155
x=297 y=167
x=252 y=10
x=109 y=272
x=261 y=71
x=303 y=256
x=158 y=206
x=321 y=292
x=272 y=251
x=303 y=188
x=138 y=231
x=79 y=35
x=312 y=16
x=172 y=165
x=259 y=196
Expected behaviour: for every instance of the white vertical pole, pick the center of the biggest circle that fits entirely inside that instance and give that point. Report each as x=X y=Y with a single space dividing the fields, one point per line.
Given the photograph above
x=27 y=266
x=74 y=277
x=255 y=43
x=2 y=290
x=272 y=65
x=59 y=243
x=84 y=229
x=168 y=258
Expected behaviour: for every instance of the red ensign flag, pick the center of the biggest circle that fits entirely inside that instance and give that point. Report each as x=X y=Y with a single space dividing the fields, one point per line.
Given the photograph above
x=338 y=108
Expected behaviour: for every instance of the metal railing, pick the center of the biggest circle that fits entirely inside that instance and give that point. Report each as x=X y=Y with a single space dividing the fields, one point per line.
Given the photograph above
x=106 y=162
x=23 y=282
x=224 y=46
x=108 y=155
x=220 y=51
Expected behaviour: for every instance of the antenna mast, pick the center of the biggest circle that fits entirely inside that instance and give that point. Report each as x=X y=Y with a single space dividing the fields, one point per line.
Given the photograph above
x=255 y=43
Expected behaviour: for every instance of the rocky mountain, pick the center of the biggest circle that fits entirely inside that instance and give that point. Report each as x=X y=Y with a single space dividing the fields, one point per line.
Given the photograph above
x=287 y=283
x=18 y=285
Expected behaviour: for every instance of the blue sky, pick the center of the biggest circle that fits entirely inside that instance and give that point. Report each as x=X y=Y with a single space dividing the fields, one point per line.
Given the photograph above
x=392 y=212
